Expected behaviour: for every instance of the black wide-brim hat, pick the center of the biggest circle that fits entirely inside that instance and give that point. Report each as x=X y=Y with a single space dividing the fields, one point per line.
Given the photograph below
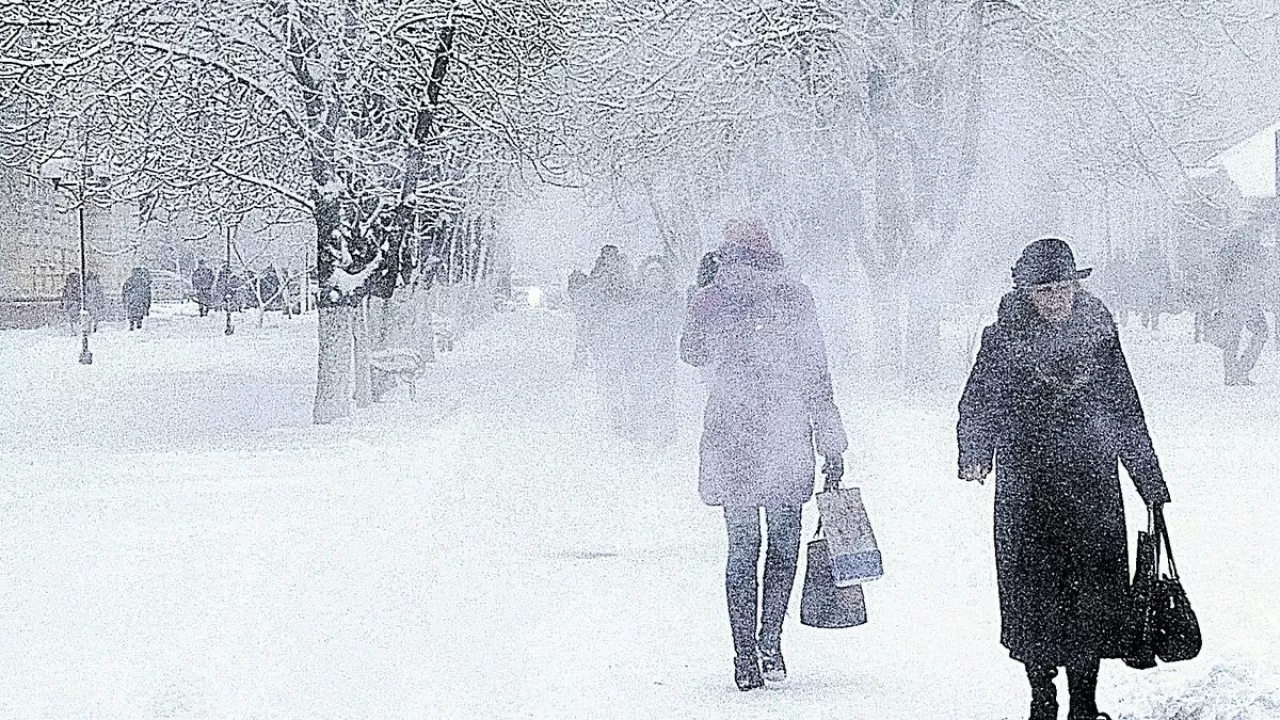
x=1047 y=260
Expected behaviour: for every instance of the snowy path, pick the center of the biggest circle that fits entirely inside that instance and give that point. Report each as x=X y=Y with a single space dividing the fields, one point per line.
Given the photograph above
x=190 y=546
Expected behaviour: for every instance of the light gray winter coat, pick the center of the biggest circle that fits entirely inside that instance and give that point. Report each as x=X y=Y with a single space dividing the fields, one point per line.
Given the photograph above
x=770 y=404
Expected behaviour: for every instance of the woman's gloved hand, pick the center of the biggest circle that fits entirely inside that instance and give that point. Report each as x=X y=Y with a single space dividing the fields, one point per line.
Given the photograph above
x=833 y=471
x=975 y=473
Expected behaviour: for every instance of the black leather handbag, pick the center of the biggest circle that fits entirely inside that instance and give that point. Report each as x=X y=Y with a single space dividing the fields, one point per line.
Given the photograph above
x=1140 y=628
x=1177 y=630
x=1161 y=621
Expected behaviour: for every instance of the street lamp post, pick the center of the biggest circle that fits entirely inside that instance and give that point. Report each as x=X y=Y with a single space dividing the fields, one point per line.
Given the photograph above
x=86 y=357
x=226 y=287
x=86 y=322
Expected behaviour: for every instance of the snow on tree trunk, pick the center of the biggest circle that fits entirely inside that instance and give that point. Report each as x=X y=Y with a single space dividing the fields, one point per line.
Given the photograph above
x=424 y=334
x=887 y=320
x=334 y=364
x=363 y=381
x=921 y=319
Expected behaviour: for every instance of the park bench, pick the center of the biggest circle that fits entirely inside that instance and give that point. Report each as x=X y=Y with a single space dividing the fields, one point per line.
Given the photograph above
x=398 y=365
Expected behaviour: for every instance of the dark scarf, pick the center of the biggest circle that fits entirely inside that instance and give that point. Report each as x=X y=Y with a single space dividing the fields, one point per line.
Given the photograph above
x=764 y=259
x=1064 y=356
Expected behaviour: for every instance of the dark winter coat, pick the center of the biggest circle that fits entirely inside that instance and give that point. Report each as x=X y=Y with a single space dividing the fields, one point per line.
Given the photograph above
x=95 y=300
x=269 y=287
x=1241 y=279
x=71 y=294
x=1056 y=407
x=136 y=296
x=202 y=281
x=770 y=403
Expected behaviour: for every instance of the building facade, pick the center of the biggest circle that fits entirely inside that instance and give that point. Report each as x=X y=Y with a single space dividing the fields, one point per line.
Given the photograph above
x=40 y=239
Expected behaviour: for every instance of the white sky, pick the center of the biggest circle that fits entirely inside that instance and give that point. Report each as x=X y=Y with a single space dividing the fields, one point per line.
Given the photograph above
x=1252 y=163
x=556 y=230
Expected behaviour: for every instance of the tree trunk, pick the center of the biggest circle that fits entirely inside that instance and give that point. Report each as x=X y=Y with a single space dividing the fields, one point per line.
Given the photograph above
x=887 y=315
x=363 y=390
x=333 y=376
x=382 y=316
x=922 y=329
x=424 y=331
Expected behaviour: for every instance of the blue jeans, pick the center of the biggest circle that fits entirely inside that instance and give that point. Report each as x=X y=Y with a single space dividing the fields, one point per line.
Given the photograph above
x=741 y=587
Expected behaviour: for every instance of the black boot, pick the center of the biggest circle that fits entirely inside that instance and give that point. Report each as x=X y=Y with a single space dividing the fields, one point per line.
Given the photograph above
x=741 y=591
x=746 y=672
x=1082 y=682
x=1044 y=695
x=780 y=563
x=775 y=669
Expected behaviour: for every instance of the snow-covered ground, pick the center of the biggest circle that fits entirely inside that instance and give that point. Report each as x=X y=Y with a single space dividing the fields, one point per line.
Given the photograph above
x=177 y=541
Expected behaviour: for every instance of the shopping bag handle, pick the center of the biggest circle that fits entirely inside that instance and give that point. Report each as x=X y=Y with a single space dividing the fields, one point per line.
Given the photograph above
x=818 y=533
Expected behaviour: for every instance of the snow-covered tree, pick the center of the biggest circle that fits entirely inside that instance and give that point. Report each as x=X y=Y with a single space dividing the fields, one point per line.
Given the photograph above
x=366 y=116
x=863 y=128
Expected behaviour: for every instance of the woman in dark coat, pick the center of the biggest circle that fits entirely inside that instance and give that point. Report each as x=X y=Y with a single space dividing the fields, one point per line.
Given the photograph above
x=202 y=281
x=655 y=323
x=1052 y=405
x=71 y=291
x=136 y=297
x=770 y=407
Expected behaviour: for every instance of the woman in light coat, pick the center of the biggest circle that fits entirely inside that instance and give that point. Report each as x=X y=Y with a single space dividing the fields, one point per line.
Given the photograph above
x=770 y=406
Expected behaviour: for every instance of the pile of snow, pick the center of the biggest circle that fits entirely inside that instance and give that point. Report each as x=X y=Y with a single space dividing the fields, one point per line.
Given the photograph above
x=1236 y=690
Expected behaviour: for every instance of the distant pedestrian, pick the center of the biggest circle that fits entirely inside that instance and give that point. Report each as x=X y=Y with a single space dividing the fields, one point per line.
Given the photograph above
x=611 y=302
x=136 y=297
x=611 y=276
x=70 y=304
x=95 y=300
x=1241 y=290
x=655 y=334
x=1150 y=281
x=770 y=406
x=229 y=290
x=202 y=281
x=579 y=304
x=269 y=288
x=1051 y=405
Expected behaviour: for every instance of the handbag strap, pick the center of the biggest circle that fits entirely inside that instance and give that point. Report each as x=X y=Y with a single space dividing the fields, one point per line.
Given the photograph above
x=1154 y=522
x=1163 y=540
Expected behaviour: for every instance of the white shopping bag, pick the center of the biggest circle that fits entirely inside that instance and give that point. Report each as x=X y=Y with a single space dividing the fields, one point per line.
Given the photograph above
x=855 y=556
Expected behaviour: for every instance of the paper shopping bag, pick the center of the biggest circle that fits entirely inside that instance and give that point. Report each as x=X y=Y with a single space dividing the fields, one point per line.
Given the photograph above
x=855 y=556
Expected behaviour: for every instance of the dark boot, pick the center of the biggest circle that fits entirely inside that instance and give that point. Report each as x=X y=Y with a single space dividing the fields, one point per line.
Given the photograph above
x=780 y=564
x=1082 y=682
x=746 y=673
x=1044 y=695
x=771 y=662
